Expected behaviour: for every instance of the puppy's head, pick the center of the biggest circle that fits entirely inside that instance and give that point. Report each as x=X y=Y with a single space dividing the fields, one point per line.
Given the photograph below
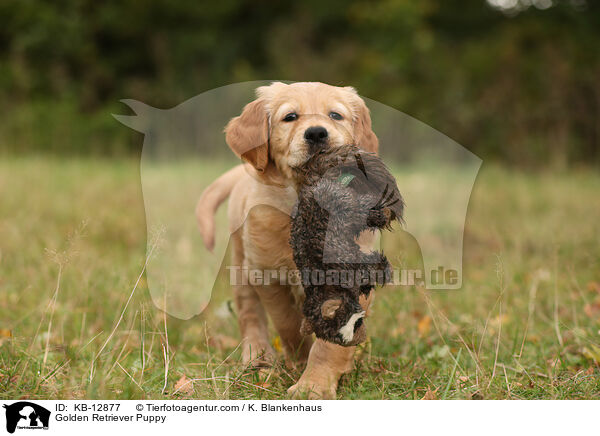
x=286 y=124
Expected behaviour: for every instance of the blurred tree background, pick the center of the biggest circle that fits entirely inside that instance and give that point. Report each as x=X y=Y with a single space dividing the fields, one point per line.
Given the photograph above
x=512 y=80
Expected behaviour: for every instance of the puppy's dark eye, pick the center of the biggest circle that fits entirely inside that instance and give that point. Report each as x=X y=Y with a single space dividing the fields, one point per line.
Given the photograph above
x=335 y=116
x=292 y=116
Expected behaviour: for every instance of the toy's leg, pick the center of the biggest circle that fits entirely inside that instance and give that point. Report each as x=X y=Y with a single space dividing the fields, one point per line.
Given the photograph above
x=281 y=306
x=251 y=316
x=327 y=362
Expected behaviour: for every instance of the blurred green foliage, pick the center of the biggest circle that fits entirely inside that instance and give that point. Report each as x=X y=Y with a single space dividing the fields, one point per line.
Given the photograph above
x=516 y=84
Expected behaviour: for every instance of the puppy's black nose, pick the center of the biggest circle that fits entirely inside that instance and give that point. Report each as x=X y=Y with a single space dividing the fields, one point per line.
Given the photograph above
x=316 y=134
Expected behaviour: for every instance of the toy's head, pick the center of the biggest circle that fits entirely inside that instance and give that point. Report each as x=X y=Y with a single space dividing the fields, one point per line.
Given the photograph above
x=363 y=172
x=338 y=319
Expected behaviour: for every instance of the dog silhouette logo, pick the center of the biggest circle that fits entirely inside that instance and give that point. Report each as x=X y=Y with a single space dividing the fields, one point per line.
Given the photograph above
x=26 y=415
x=181 y=148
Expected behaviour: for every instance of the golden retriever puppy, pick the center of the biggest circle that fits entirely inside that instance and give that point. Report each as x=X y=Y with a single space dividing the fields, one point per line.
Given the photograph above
x=274 y=134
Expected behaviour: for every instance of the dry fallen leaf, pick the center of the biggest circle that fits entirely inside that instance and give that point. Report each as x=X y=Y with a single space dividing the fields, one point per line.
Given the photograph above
x=5 y=334
x=592 y=310
x=424 y=325
x=184 y=385
x=593 y=286
x=462 y=380
x=430 y=395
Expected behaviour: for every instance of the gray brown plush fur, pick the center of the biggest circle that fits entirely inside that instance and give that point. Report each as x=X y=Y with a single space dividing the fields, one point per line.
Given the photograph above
x=342 y=191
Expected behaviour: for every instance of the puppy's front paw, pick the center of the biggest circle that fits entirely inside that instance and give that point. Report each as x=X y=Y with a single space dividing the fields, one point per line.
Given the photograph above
x=314 y=387
x=257 y=354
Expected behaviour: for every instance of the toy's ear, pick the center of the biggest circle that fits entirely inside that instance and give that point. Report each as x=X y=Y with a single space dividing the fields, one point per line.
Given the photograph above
x=329 y=308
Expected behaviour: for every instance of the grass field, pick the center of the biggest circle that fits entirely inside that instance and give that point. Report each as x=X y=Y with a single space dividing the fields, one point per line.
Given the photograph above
x=526 y=324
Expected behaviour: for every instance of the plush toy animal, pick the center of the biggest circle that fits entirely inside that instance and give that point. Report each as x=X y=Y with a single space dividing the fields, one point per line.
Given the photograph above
x=342 y=191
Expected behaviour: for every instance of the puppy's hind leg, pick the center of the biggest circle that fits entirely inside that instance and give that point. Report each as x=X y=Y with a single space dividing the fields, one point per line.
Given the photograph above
x=252 y=319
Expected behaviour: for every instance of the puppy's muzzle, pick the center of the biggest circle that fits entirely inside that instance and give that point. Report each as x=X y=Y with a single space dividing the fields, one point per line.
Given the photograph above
x=316 y=137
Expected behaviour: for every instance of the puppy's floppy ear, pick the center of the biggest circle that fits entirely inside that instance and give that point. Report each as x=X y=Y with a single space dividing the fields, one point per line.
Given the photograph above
x=248 y=135
x=329 y=307
x=364 y=136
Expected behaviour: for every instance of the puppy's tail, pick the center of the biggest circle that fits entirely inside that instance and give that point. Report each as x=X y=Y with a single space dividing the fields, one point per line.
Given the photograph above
x=211 y=199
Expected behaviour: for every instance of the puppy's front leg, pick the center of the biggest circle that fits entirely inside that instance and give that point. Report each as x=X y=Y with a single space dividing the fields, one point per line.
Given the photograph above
x=327 y=362
x=281 y=306
x=256 y=350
